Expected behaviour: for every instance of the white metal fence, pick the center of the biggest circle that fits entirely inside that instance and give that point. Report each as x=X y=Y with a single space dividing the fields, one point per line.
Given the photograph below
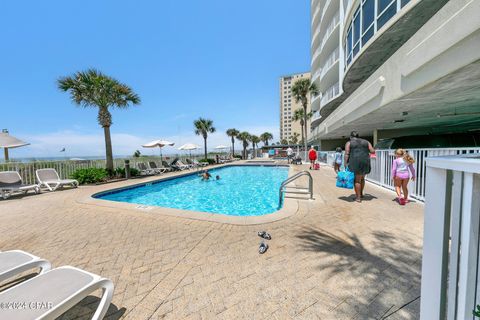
x=450 y=263
x=382 y=166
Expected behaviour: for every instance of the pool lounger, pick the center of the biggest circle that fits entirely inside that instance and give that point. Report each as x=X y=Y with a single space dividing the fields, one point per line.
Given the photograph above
x=54 y=292
x=50 y=179
x=153 y=166
x=144 y=171
x=15 y=262
x=11 y=181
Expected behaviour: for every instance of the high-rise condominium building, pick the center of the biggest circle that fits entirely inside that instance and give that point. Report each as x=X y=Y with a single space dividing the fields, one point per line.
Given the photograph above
x=391 y=68
x=288 y=127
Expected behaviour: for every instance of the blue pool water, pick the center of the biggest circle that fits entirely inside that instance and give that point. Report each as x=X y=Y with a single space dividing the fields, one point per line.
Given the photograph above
x=241 y=191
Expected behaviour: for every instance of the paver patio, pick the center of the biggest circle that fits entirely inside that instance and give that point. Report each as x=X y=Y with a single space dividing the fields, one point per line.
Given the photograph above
x=334 y=259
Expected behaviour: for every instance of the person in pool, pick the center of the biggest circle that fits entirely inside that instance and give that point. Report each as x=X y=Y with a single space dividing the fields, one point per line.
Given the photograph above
x=206 y=176
x=217 y=177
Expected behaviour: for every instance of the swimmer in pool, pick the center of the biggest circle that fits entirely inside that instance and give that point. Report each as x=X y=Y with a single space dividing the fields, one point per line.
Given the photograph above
x=217 y=177
x=206 y=176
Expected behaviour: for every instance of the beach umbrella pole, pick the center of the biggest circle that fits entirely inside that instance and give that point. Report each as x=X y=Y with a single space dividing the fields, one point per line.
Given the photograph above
x=5 y=153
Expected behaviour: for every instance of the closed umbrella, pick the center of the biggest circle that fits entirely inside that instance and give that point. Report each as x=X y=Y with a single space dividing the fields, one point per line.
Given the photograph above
x=7 y=141
x=189 y=147
x=158 y=143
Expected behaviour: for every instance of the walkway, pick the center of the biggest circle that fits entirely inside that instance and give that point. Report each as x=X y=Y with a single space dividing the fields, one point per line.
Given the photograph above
x=335 y=259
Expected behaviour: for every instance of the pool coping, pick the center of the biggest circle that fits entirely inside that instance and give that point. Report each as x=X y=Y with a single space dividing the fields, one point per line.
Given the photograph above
x=289 y=208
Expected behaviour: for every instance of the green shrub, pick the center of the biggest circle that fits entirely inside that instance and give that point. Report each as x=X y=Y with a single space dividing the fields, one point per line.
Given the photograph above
x=209 y=161
x=120 y=172
x=90 y=175
x=237 y=156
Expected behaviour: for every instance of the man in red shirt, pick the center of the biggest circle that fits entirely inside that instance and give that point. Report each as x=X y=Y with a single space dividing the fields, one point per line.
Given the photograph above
x=312 y=155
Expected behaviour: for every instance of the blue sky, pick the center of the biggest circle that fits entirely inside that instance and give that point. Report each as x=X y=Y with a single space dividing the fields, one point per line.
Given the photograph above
x=212 y=58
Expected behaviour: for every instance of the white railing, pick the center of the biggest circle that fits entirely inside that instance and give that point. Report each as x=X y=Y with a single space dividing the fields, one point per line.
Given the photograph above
x=382 y=165
x=332 y=58
x=450 y=263
x=331 y=27
x=65 y=168
x=329 y=94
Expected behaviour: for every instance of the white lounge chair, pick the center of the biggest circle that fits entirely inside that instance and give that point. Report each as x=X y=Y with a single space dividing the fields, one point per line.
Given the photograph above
x=11 y=182
x=49 y=295
x=183 y=165
x=144 y=171
x=156 y=168
x=50 y=179
x=15 y=262
x=199 y=164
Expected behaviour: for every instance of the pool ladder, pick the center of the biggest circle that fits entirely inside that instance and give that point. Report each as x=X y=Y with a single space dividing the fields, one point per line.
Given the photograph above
x=284 y=188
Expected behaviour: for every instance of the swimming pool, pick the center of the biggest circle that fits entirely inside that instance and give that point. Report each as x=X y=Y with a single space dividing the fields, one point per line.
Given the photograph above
x=241 y=191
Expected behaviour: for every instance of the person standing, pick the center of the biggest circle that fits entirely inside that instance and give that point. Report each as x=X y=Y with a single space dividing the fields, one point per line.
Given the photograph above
x=337 y=164
x=312 y=156
x=357 y=158
x=289 y=154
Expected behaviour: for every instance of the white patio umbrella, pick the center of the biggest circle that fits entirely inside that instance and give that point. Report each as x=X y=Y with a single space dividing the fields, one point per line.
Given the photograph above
x=222 y=147
x=7 y=141
x=158 y=143
x=189 y=147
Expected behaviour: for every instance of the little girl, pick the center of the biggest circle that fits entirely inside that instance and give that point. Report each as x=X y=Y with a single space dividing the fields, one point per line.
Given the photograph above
x=401 y=168
x=337 y=164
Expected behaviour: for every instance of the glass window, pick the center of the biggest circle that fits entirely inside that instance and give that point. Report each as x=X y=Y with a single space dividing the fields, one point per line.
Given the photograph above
x=390 y=12
x=356 y=28
x=349 y=41
x=383 y=4
x=356 y=49
x=367 y=35
x=404 y=2
x=368 y=12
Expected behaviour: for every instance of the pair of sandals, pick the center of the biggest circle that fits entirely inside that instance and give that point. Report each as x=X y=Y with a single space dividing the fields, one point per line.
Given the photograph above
x=264 y=246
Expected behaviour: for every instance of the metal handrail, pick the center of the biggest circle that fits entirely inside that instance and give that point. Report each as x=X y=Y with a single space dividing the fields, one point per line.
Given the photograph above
x=293 y=178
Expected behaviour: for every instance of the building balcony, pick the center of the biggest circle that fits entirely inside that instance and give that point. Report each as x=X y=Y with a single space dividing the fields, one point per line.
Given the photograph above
x=315 y=121
x=330 y=94
x=375 y=30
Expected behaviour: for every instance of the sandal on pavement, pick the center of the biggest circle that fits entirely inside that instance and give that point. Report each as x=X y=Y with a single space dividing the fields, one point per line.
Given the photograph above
x=265 y=235
x=263 y=248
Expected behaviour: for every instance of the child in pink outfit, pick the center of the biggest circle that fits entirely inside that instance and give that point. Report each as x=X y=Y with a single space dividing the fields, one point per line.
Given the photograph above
x=402 y=167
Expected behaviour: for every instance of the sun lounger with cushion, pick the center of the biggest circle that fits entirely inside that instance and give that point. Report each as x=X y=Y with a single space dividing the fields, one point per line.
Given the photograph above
x=49 y=295
x=10 y=182
x=157 y=169
x=15 y=262
x=144 y=171
x=50 y=179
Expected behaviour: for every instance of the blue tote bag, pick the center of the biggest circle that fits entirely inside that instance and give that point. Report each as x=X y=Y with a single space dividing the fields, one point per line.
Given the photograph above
x=345 y=179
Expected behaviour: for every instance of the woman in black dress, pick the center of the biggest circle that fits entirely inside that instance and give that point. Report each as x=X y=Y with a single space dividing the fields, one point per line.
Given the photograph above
x=357 y=157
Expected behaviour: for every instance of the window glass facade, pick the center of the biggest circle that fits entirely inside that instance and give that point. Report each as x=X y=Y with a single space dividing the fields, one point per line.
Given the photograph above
x=370 y=16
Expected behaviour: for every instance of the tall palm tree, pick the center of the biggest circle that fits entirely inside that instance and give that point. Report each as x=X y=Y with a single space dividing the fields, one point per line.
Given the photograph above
x=294 y=138
x=301 y=89
x=299 y=116
x=233 y=133
x=92 y=88
x=265 y=137
x=244 y=137
x=202 y=128
x=255 y=140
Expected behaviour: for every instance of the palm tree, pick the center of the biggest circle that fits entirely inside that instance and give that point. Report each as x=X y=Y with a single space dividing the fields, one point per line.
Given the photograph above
x=233 y=133
x=299 y=116
x=202 y=128
x=255 y=140
x=265 y=137
x=244 y=137
x=294 y=138
x=92 y=88
x=301 y=89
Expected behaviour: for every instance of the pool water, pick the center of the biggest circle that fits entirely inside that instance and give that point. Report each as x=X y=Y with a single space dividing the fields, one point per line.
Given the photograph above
x=241 y=191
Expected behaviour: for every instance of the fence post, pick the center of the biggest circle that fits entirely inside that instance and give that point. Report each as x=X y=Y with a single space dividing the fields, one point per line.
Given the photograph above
x=127 y=168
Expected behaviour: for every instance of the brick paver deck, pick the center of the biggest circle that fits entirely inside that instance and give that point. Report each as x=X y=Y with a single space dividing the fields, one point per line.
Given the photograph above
x=334 y=259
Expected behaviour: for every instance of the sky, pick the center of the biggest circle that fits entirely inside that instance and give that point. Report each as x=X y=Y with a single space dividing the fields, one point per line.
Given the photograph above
x=215 y=59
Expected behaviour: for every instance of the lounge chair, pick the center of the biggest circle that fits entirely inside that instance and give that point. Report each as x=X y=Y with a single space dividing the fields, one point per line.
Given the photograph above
x=50 y=179
x=156 y=168
x=198 y=164
x=144 y=171
x=49 y=295
x=178 y=165
x=169 y=167
x=15 y=262
x=10 y=182
x=183 y=165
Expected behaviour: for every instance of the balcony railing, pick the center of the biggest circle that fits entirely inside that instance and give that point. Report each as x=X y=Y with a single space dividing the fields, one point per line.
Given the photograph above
x=331 y=27
x=332 y=58
x=330 y=93
x=317 y=74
